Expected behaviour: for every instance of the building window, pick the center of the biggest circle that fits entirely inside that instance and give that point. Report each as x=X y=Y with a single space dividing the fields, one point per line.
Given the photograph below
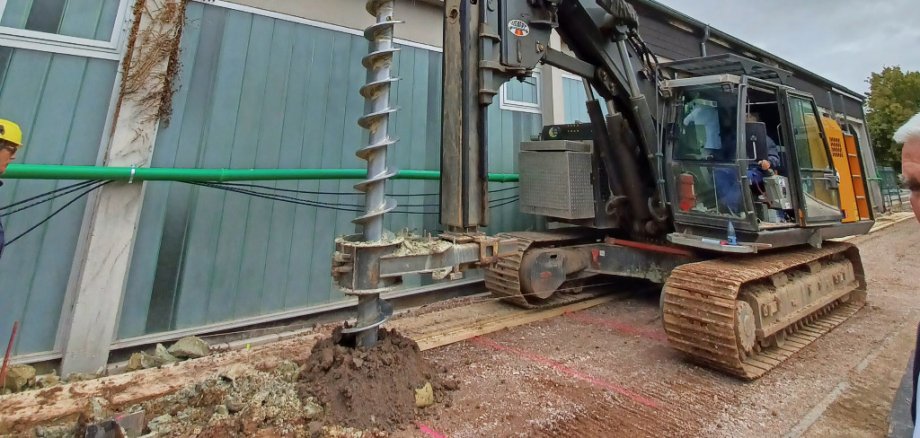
x=64 y=26
x=522 y=95
x=573 y=99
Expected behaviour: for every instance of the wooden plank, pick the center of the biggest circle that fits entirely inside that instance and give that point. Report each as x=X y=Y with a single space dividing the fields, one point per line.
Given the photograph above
x=67 y=401
x=434 y=337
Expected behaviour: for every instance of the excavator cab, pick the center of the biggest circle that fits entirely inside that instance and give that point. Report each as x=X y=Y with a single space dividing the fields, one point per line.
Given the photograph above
x=753 y=165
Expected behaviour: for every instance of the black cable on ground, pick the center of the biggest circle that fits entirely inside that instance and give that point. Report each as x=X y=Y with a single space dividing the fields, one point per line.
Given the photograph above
x=55 y=212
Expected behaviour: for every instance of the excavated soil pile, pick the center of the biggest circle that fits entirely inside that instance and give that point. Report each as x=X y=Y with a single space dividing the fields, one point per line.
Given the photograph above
x=373 y=388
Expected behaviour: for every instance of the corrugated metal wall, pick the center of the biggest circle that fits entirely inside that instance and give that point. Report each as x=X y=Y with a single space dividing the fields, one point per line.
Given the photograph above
x=266 y=93
x=61 y=102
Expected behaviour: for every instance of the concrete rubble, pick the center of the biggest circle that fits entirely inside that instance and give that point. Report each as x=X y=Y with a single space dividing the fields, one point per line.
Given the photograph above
x=189 y=348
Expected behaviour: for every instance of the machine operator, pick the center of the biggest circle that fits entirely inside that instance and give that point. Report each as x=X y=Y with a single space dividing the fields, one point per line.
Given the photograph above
x=728 y=189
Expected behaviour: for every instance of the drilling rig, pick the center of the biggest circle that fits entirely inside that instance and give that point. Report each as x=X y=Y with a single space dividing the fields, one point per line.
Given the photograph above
x=710 y=176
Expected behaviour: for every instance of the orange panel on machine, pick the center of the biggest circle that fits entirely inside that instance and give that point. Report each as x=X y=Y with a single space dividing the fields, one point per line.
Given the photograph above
x=859 y=184
x=838 y=153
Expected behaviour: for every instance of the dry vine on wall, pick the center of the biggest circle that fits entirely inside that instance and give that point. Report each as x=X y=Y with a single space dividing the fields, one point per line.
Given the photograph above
x=144 y=80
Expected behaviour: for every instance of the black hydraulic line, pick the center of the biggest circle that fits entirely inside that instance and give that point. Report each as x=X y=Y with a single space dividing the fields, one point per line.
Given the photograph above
x=626 y=164
x=603 y=146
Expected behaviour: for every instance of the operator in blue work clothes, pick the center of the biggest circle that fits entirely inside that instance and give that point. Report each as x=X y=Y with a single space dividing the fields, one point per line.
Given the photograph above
x=772 y=161
x=10 y=143
x=726 y=179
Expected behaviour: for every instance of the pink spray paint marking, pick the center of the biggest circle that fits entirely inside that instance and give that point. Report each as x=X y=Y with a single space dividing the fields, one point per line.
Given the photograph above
x=638 y=398
x=429 y=431
x=619 y=326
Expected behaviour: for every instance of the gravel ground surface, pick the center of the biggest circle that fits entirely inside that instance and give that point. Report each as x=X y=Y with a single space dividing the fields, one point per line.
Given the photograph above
x=602 y=372
x=607 y=371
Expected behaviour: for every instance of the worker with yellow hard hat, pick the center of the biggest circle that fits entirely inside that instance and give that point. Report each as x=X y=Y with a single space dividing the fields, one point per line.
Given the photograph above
x=10 y=143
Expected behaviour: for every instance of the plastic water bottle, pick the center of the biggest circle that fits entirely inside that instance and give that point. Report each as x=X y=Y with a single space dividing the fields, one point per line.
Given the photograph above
x=732 y=239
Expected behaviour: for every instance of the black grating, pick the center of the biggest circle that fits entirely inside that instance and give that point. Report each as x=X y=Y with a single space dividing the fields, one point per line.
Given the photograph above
x=728 y=64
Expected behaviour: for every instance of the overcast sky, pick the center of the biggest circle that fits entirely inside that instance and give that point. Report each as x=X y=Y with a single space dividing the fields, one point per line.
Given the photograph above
x=842 y=40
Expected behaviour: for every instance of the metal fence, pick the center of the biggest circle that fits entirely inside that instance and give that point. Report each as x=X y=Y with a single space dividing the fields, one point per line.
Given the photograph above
x=893 y=196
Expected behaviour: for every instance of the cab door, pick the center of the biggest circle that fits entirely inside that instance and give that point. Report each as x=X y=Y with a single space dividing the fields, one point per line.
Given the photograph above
x=819 y=195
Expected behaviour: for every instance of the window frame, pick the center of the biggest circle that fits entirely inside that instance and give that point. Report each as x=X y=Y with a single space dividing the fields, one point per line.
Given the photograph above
x=56 y=43
x=571 y=76
x=508 y=104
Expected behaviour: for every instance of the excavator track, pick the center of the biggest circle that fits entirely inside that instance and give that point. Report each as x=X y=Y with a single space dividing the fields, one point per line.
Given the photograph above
x=709 y=308
x=503 y=278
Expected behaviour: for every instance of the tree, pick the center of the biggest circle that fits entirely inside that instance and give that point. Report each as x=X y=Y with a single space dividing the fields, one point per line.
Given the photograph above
x=894 y=96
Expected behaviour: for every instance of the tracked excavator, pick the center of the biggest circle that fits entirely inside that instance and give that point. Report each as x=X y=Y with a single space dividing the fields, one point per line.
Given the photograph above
x=711 y=177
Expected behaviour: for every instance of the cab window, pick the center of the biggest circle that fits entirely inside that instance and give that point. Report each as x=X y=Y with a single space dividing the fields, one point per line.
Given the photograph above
x=707 y=122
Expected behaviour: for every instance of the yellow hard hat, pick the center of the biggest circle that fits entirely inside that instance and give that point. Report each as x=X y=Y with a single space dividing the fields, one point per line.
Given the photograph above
x=10 y=132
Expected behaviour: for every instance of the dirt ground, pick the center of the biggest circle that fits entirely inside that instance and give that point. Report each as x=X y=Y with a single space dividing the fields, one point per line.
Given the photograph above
x=602 y=372
x=607 y=371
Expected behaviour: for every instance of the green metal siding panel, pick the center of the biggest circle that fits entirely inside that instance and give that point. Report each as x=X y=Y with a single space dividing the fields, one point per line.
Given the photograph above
x=507 y=129
x=262 y=92
x=61 y=102
x=258 y=227
x=159 y=199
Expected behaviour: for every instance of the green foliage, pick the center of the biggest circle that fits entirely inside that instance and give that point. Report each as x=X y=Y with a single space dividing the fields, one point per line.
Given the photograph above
x=894 y=96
